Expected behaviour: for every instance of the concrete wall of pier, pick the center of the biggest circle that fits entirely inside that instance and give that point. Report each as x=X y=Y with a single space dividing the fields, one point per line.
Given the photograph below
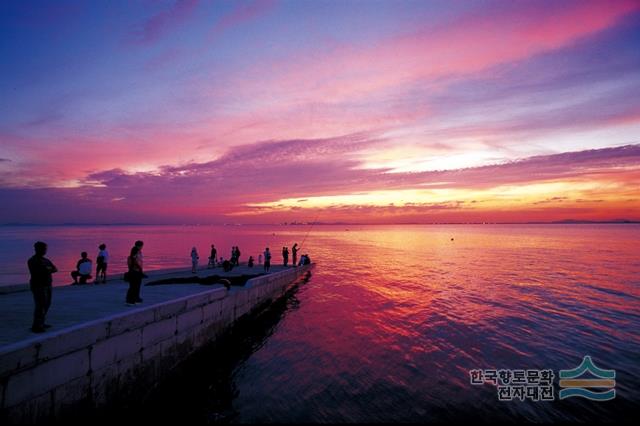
x=114 y=359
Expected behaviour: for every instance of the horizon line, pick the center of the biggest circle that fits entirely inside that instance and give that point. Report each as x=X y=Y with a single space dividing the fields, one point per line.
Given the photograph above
x=556 y=222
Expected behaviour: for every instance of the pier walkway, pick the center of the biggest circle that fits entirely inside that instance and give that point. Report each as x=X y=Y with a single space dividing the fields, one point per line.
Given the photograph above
x=75 y=304
x=100 y=352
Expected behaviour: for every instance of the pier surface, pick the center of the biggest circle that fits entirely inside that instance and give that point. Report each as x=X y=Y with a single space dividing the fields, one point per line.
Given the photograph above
x=100 y=352
x=76 y=304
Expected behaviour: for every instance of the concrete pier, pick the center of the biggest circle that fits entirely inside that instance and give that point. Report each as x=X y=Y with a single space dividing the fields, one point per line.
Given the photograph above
x=101 y=352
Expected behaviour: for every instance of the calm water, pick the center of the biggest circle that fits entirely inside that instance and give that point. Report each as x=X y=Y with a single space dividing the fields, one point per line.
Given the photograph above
x=393 y=319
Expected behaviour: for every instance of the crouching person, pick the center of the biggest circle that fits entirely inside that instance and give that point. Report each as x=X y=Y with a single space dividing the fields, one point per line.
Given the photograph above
x=83 y=269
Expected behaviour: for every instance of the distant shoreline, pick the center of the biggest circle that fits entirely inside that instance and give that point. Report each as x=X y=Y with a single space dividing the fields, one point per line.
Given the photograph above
x=565 y=222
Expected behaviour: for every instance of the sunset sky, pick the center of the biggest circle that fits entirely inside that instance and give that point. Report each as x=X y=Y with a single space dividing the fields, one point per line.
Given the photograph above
x=337 y=111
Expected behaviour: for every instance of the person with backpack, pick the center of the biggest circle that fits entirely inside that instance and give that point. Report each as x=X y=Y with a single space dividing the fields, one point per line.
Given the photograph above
x=134 y=276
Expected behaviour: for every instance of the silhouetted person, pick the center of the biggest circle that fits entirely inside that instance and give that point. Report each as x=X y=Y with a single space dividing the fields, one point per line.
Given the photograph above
x=40 y=269
x=237 y=257
x=285 y=256
x=227 y=266
x=83 y=269
x=260 y=259
x=140 y=256
x=267 y=259
x=294 y=253
x=250 y=262
x=194 y=260
x=134 y=276
x=101 y=264
x=213 y=257
x=232 y=259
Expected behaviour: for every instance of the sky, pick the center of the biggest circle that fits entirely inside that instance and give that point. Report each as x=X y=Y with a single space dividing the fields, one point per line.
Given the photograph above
x=266 y=111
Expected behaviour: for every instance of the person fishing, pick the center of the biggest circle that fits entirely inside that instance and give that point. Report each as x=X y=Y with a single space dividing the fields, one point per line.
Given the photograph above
x=294 y=254
x=295 y=249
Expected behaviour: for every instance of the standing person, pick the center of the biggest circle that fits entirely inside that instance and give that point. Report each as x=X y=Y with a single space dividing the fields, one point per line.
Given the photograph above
x=294 y=252
x=40 y=269
x=134 y=276
x=101 y=264
x=140 y=256
x=232 y=259
x=213 y=257
x=83 y=269
x=250 y=262
x=260 y=259
x=267 y=259
x=285 y=256
x=194 y=260
x=237 y=256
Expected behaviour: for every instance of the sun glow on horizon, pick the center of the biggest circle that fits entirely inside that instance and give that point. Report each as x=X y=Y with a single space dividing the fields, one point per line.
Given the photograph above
x=499 y=197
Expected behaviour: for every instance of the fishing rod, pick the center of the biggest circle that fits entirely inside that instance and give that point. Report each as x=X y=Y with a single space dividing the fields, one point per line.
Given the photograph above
x=309 y=231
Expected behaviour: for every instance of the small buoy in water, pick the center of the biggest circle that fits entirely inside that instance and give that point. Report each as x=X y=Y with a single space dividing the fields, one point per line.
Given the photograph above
x=451 y=239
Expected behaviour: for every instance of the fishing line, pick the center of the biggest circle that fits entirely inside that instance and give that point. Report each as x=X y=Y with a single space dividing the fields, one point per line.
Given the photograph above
x=309 y=231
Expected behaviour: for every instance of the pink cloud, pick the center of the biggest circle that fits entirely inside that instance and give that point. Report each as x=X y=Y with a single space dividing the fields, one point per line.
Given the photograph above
x=346 y=91
x=469 y=45
x=257 y=174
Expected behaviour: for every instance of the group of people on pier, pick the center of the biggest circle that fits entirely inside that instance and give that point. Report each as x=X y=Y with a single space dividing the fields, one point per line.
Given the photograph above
x=41 y=270
x=84 y=267
x=234 y=260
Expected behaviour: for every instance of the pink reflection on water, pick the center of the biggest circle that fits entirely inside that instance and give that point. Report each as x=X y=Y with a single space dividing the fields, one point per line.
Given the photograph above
x=397 y=315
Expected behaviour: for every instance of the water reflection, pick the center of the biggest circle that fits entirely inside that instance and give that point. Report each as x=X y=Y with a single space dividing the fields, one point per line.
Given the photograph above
x=395 y=316
x=203 y=390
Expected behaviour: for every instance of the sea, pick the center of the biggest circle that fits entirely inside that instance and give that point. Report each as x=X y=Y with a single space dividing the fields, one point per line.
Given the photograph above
x=394 y=321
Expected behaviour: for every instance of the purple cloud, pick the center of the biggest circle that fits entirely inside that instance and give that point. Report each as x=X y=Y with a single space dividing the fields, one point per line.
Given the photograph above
x=253 y=174
x=165 y=21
